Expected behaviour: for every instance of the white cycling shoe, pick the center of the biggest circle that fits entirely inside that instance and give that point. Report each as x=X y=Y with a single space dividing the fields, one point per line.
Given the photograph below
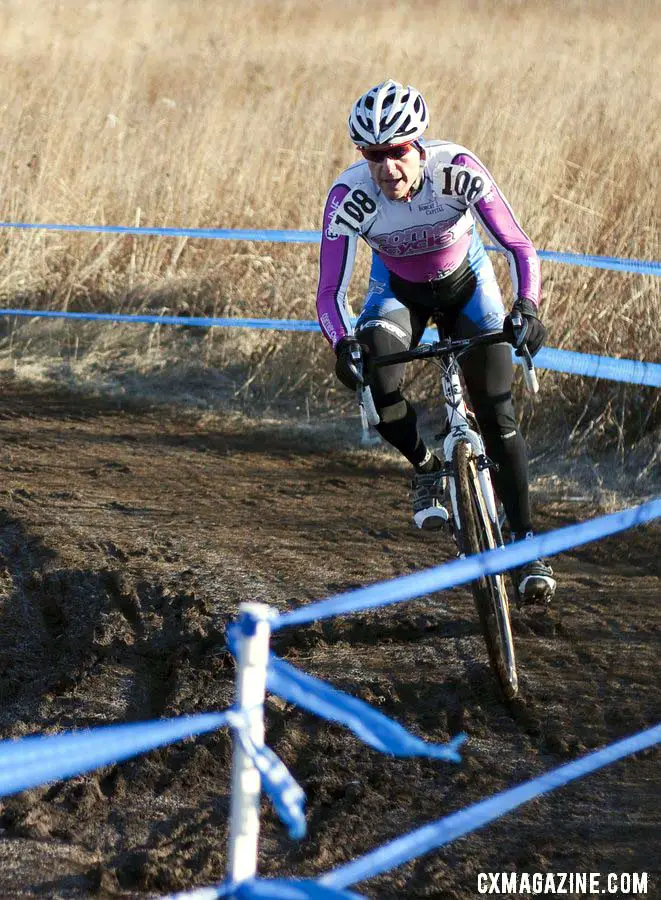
x=536 y=583
x=427 y=493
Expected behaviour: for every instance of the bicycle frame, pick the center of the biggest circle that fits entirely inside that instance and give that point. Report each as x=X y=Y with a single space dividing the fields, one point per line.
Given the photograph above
x=457 y=417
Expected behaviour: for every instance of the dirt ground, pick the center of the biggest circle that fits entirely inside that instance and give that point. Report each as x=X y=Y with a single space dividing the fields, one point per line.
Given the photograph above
x=129 y=536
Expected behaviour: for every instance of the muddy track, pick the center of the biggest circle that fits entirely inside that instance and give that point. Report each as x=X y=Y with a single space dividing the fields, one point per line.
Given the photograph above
x=127 y=541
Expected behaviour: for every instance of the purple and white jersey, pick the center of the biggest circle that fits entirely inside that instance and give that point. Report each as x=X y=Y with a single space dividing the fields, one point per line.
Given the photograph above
x=422 y=239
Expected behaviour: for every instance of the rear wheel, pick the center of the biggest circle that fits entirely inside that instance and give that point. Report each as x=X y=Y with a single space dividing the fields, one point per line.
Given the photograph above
x=476 y=534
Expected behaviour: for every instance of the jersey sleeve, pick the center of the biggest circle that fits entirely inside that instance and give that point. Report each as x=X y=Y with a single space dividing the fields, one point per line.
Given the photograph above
x=496 y=217
x=336 y=260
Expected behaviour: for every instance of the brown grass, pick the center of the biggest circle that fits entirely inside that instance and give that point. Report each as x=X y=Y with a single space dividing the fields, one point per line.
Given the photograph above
x=219 y=114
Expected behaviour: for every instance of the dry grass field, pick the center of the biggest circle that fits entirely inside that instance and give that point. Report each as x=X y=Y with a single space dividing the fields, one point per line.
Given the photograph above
x=165 y=112
x=215 y=114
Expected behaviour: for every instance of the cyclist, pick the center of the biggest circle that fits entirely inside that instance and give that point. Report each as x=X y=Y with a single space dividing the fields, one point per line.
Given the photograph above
x=416 y=204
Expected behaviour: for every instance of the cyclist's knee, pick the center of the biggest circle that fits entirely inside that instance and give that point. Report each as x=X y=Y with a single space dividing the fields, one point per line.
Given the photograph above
x=505 y=420
x=385 y=381
x=390 y=402
x=496 y=416
x=393 y=411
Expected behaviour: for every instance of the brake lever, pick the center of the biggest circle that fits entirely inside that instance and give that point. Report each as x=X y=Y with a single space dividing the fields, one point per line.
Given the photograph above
x=357 y=365
x=520 y=329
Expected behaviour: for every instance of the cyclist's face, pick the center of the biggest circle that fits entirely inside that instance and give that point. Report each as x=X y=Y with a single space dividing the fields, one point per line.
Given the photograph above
x=395 y=177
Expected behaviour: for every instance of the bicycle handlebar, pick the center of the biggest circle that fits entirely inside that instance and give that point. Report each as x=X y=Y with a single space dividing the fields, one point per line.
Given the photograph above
x=458 y=348
x=439 y=348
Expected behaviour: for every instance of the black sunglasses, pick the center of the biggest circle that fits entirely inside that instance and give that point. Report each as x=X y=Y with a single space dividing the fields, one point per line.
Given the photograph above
x=397 y=151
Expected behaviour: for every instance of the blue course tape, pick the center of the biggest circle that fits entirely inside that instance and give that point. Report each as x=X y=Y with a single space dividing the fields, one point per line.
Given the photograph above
x=630 y=371
x=285 y=793
x=195 y=321
x=614 y=263
x=291 y=890
x=621 y=264
x=30 y=761
x=218 y=234
x=463 y=570
x=263 y=889
x=367 y=723
x=38 y=759
x=439 y=833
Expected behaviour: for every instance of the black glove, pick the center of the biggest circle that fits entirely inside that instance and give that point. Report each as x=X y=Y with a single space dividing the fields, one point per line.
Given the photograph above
x=531 y=332
x=351 y=362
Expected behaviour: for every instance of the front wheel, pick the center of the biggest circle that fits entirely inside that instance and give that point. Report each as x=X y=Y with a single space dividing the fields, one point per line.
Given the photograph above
x=476 y=534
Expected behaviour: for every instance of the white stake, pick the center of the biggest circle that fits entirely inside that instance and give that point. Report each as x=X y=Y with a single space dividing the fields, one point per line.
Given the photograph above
x=252 y=653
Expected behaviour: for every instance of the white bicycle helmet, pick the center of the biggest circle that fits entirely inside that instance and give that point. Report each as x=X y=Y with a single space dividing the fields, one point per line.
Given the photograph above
x=388 y=114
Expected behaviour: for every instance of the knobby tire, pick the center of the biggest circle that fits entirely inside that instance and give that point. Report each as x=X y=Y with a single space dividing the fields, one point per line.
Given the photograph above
x=475 y=535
